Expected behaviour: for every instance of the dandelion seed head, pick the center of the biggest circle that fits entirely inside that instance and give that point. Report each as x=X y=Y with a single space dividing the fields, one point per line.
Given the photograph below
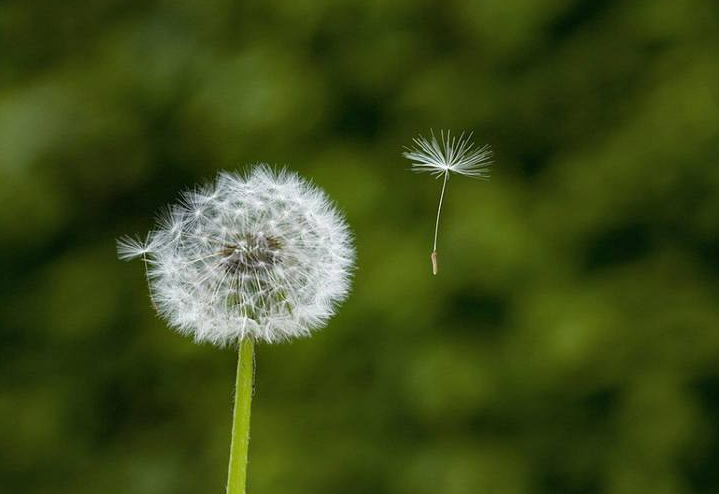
x=449 y=154
x=264 y=255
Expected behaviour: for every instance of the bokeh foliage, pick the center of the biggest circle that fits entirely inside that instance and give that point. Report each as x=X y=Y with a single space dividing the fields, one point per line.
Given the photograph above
x=570 y=343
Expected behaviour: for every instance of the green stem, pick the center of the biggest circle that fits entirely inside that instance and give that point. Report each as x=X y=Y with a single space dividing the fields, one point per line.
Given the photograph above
x=237 y=473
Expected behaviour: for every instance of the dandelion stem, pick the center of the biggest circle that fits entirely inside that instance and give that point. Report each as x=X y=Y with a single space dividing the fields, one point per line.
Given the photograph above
x=244 y=383
x=436 y=225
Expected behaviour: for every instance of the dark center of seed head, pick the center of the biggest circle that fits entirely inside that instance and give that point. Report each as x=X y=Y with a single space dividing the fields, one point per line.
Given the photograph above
x=251 y=253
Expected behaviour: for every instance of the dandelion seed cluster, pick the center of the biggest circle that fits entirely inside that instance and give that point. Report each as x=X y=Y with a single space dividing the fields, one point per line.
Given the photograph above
x=264 y=256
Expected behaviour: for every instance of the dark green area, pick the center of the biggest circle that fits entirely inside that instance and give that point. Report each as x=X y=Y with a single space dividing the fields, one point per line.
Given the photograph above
x=570 y=343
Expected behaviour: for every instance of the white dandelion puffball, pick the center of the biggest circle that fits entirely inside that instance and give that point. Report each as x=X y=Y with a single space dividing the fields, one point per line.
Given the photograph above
x=264 y=256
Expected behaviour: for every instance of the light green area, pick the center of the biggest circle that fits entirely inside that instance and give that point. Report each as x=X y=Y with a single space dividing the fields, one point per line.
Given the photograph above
x=244 y=382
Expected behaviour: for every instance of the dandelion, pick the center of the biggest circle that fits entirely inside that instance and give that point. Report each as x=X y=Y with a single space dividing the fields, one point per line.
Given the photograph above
x=261 y=257
x=440 y=158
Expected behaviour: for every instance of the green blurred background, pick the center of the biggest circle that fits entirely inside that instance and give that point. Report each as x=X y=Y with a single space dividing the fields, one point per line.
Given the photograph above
x=570 y=343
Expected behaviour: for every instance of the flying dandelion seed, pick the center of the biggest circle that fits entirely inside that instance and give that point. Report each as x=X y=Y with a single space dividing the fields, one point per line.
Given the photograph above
x=265 y=256
x=440 y=158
